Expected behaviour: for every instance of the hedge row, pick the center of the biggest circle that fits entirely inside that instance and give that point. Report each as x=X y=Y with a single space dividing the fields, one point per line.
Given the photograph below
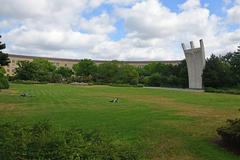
x=227 y=91
x=41 y=141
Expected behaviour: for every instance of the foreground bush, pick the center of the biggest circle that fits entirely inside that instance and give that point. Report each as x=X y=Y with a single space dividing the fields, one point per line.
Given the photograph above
x=41 y=141
x=230 y=133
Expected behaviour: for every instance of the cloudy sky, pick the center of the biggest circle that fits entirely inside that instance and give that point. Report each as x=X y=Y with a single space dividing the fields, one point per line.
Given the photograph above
x=118 y=29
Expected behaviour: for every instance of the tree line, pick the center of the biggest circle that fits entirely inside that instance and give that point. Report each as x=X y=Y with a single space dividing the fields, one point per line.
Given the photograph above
x=219 y=72
x=112 y=72
x=222 y=71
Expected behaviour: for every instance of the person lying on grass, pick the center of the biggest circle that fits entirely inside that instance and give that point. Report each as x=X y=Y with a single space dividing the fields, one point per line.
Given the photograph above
x=25 y=95
x=115 y=100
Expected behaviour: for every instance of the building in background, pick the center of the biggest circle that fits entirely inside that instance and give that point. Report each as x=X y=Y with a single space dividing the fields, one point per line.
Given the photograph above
x=58 y=62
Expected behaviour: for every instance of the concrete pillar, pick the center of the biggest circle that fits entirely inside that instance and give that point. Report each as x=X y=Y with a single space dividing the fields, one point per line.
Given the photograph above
x=183 y=46
x=192 y=45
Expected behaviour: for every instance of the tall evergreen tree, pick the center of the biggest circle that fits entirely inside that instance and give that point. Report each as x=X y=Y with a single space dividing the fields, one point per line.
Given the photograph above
x=217 y=73
x=4 y=60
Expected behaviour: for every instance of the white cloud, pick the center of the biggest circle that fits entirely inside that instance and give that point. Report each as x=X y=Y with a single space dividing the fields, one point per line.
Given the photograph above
x=234 y=13
x=6 y=24
x=54 y=40
x=171 y=28
x=160 y=22
x=154 y=32
x=190 y=4
x=118 y=2
x=102 y=24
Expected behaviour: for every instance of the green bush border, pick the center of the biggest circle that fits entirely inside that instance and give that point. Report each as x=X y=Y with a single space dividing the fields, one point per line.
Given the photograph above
x=28 y=82
x=226 y=91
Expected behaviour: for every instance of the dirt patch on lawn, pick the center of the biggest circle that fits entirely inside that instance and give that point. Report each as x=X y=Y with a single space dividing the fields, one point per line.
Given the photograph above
x=206 y=119
x=7 y=107
x=184 y=108
x=168 y=148
x=9 y=92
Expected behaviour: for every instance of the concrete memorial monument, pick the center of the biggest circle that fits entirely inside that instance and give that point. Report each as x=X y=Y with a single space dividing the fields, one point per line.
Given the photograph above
x=195 y=58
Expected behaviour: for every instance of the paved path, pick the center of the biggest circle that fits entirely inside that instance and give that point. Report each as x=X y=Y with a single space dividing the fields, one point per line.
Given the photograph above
x=176 y=89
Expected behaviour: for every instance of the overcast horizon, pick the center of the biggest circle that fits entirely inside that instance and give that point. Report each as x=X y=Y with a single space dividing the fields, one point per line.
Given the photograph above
x=118 y=29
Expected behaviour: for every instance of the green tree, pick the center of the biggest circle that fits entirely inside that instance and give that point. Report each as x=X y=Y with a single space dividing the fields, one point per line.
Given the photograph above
x=233 y=59
x=173 y=81
x=37 y=70
x=3 y=81
x=44 y=69
x=26 y=71
x=149 y=69
x=108 y=72
x=153 y=80
x=64 y=72
x=128 y=74
x=181 y=72
x=164 y=69
x=55 y=78
x=217 y=73
x=2 y=70
x=140 y=71
x=4 y=60
x=85 y=68
x=44 y=65
x=167 y=74
x=158 y=67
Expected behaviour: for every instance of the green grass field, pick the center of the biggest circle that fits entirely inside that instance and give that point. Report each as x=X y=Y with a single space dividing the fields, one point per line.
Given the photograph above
x=162 y=124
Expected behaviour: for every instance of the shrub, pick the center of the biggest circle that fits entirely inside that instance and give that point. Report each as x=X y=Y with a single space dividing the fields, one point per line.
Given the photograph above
x=140 y=85
x=108 y=72
x=28 y=82
x=125 y=85
x=55 y=78
x=154 y=80
x=128 y=74
x=224 y=90
x=230 y=133
x=84 y=79
x=120 y=85
x=41 y=141
x=100 y=83
x=3 y=82
x=85 y=68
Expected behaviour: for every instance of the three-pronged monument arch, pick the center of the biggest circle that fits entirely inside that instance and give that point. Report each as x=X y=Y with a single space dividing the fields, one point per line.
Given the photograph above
x=195 y=58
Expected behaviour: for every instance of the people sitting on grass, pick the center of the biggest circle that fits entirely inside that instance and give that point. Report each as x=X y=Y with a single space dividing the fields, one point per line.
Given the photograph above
x=115 y=100
x=25 y=95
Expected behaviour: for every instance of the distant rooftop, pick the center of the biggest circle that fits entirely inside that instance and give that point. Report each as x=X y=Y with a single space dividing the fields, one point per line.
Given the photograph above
x=74 y=60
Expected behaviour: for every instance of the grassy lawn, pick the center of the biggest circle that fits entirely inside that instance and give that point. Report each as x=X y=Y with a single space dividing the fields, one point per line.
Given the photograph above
x=163 y=124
